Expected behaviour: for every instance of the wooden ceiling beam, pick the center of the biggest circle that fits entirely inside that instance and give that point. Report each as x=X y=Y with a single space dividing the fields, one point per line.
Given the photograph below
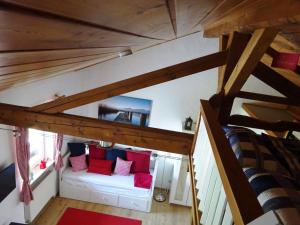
x=32 y=31
x=268 y=98
x=18 y=79
x=16 y=58
x=223 y=7
x=136 y=83
x=85 y=127
x=223 y=45
x=276 y=81
x=6 y=70
x=137 y=18
x=236 y=44
x=249 y=15
x=171 y=4
x=33 y=73
x=282 y=44
x=243 y=56
x=256 y=47
x=190 y=13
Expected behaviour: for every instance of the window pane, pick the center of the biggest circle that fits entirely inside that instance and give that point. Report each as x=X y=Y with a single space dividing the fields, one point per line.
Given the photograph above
x=41 y=148
x=36 y=142
x=49 y=145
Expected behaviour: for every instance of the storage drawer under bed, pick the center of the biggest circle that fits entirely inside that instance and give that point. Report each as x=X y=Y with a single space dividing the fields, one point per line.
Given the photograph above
x=104 y=198
x=133 y=203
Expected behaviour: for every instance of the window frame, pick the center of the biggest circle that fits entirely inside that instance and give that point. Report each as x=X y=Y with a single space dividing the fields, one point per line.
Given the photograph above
x=35 y=173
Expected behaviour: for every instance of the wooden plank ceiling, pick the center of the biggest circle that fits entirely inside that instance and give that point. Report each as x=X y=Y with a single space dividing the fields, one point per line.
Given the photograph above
x=40 y=39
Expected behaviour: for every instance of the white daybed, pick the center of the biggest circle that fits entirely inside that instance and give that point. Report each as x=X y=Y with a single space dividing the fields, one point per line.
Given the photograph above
x=112 y=190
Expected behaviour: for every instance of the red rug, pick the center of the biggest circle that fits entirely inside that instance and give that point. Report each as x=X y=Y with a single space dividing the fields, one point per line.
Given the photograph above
x=81 y=217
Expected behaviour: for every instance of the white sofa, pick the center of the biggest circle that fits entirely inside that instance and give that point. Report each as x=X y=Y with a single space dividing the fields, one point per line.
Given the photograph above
x=112 y=190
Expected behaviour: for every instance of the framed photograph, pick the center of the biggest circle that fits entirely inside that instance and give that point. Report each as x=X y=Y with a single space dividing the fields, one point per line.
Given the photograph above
x=125 y=109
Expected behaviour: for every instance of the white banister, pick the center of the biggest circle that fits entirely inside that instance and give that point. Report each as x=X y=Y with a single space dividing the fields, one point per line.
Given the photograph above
x=211 y=193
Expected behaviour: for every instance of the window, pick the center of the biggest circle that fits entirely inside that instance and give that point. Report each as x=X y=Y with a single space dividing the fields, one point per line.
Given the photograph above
x=41 y=148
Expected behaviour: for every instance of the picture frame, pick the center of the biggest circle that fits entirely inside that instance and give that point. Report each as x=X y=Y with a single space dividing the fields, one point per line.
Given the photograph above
x=124 y=109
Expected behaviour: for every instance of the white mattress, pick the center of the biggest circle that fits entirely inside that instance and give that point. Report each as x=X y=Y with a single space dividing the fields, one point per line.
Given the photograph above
x=117 y=184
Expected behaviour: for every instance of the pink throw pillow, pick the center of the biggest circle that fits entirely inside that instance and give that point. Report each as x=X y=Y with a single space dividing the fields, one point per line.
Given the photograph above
x=140 y=161
x=122 y=167
x=78 y=163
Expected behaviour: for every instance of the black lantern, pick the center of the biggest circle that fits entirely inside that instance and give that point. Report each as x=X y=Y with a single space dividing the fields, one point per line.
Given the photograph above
x=188 y=123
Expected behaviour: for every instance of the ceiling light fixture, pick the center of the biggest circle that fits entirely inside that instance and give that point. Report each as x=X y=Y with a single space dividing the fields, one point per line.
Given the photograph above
x=125 y=53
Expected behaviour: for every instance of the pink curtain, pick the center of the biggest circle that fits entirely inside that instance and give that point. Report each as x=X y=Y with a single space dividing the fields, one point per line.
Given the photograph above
x=23 y=156
x=58 y=145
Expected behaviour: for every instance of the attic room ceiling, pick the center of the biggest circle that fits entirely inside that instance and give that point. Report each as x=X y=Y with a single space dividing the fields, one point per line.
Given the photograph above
x=41 y=39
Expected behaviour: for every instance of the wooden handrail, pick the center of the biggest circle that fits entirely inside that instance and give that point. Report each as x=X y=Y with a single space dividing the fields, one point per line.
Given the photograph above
x=240 y=196
x=276 y=81
x=247 y=121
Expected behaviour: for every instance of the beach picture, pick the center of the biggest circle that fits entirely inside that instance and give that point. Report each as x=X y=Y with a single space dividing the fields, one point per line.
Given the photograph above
x=125 y=109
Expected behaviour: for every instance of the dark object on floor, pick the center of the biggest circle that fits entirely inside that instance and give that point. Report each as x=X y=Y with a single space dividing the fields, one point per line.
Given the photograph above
x=17 y=224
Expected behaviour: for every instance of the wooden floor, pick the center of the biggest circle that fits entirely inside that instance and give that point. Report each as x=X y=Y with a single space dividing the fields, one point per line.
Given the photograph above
x=162 y=213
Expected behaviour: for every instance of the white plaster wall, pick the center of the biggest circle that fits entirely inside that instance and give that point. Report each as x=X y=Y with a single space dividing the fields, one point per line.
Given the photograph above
x=7 y=156
x=10 y=207
x=42 y=194
x=41 y=91
x=172 y=101
x=11 y=210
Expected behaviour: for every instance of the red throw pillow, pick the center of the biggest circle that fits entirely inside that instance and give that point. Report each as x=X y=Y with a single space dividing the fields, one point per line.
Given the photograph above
x=100 y=166
x=140 y=161
x=286 y=60
x=143 y=180
x=96 y=152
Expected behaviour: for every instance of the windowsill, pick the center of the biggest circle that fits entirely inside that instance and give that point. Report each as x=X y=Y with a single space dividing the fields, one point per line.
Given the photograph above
x=40 y=174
